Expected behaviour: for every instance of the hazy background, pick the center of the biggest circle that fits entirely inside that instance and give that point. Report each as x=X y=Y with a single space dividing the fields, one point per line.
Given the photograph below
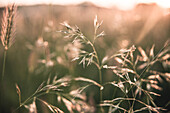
x=139 y=24
x=121 y=4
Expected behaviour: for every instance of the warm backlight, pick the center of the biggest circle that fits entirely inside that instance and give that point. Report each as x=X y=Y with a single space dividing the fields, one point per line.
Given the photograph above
x=122 y=4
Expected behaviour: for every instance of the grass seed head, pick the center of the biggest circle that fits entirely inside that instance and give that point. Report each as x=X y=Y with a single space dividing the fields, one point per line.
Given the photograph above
x=8 y=26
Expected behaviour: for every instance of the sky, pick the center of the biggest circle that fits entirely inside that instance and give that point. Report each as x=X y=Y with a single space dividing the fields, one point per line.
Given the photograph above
x=122 y=4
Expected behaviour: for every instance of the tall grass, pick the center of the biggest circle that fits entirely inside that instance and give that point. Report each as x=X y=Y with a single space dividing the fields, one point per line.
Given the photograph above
x=135 y=77
x=130 y=82
x=88 y=57
x=8 y=30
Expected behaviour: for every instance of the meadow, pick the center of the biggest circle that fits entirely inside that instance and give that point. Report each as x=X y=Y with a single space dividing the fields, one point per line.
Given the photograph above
x=84 y=59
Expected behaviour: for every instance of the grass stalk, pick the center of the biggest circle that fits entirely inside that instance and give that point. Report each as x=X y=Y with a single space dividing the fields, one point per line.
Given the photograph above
x=4 y=62
x=7 y=31
x=100 y=73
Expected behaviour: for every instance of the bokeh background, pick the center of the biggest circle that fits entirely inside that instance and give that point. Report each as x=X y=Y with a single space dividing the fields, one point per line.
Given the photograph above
x=143 y=25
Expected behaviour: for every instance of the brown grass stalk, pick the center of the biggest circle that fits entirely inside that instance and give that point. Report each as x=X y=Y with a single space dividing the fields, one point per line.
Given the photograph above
x=8 y=30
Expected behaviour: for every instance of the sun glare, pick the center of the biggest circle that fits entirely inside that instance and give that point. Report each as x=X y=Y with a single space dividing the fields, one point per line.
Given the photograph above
x=162 y=3
x=122 y=4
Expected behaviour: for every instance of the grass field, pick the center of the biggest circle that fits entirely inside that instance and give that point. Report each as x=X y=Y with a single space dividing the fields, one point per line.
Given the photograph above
x=84 y=59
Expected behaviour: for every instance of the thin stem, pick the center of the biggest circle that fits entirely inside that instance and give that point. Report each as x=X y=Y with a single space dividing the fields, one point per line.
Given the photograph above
x=134 y=96
x=28 y=99
x=100 y=73
x=114 y=94
x=95 y=31
x=4 y=61
x=35 y=94
x=101 y=90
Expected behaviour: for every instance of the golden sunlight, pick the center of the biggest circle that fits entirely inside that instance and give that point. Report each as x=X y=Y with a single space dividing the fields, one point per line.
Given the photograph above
x=122 y=4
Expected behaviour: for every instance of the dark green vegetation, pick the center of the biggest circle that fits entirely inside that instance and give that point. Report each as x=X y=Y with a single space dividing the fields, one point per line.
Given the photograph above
x=41 y=53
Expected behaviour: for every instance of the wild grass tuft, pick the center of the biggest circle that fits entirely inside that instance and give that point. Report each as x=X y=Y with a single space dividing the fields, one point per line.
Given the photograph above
x=133 y=80
x=136 y=81
x=87 y=57
x=8 y=30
